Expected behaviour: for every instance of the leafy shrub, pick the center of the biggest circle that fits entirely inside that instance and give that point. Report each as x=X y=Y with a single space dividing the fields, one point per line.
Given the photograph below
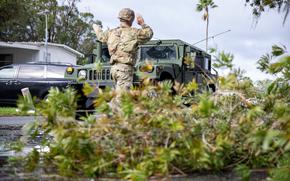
x=158 y=135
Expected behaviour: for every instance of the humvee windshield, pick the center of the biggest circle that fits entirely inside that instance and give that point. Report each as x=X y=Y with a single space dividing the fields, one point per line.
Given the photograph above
x=158 y=52
x=148 y=53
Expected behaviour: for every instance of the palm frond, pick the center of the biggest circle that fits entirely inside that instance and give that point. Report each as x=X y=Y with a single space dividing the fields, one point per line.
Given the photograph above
x=286 y=10
x=199 y=7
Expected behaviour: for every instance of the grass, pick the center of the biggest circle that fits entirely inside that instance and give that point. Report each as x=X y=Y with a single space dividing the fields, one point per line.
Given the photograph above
x=11 y=111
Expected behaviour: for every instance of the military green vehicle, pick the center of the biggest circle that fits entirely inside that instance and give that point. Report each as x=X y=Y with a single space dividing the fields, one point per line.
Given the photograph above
x=158 y=60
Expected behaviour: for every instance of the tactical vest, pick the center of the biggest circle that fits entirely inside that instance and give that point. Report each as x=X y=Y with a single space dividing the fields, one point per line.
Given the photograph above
x=122 y=45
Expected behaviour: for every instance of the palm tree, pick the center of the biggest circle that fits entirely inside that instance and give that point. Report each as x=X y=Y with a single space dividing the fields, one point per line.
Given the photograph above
x=204 y=5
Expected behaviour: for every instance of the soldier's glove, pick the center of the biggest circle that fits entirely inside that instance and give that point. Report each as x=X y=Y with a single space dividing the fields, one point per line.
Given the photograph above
x=97 y=27
x=140 y=20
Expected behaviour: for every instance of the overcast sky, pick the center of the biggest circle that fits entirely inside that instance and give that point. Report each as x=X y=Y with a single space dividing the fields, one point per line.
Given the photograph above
x=177 y=19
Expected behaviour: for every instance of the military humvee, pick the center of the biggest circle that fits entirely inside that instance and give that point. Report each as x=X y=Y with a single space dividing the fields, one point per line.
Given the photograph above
x=158 y=60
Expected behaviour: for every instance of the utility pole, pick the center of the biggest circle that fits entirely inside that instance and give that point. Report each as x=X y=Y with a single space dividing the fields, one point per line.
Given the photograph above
x=45 y=13
x=46 y=39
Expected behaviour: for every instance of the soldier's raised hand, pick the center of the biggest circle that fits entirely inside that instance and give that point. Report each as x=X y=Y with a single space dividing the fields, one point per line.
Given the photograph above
x=97 y=27
x=140 y=20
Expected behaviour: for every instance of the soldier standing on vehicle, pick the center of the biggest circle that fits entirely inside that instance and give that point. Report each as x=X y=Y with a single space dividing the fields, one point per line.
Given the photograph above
x=122 y=43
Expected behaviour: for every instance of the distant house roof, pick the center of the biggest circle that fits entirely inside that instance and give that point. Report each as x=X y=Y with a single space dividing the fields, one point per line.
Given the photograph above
x=37 y=45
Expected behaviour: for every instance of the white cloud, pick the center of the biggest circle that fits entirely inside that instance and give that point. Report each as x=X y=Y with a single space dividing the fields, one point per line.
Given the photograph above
x=171 y=19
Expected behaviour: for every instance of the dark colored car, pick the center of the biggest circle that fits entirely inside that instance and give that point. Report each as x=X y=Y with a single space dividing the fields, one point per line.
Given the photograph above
x=38 y=77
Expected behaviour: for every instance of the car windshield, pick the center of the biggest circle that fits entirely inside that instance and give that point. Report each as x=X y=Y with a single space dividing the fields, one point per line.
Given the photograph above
x=158 y=52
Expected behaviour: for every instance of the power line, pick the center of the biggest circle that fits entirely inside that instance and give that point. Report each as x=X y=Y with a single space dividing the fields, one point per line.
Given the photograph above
x=211 y=37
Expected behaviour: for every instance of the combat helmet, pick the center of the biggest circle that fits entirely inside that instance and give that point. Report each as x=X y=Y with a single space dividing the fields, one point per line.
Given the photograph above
x=127 y=14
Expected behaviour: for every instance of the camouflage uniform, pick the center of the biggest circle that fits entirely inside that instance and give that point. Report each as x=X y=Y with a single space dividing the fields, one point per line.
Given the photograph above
x=122 y=44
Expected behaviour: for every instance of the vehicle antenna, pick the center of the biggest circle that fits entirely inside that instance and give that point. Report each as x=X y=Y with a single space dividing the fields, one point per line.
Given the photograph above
x=211 y=37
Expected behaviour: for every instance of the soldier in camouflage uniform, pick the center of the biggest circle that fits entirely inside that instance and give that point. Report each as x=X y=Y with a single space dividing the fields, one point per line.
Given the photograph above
x=122 y=43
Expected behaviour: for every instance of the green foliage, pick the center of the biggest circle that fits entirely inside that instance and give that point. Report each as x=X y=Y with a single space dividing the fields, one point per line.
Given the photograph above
x=282 y=172
x=25 y=104
x=260 y=6
x=192 y=86
x=281 y=64
x=135 y=175
x=17 y=146
x=263 y=63
x=32 y=160
x=88 y=89
x=188 y=60
x=204 y=4
x=11 y=111
x=206 y=106
x=222 y=59
x=244 y=172
x=58 y=103
x=153 y=133
x=277 y=51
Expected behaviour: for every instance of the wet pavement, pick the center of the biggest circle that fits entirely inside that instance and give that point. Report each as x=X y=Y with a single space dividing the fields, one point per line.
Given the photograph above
x=16 y=120
x=11 y=130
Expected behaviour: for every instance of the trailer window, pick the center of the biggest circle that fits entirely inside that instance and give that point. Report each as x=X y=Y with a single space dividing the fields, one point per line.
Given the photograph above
x=206 y=63
x=105 y=55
